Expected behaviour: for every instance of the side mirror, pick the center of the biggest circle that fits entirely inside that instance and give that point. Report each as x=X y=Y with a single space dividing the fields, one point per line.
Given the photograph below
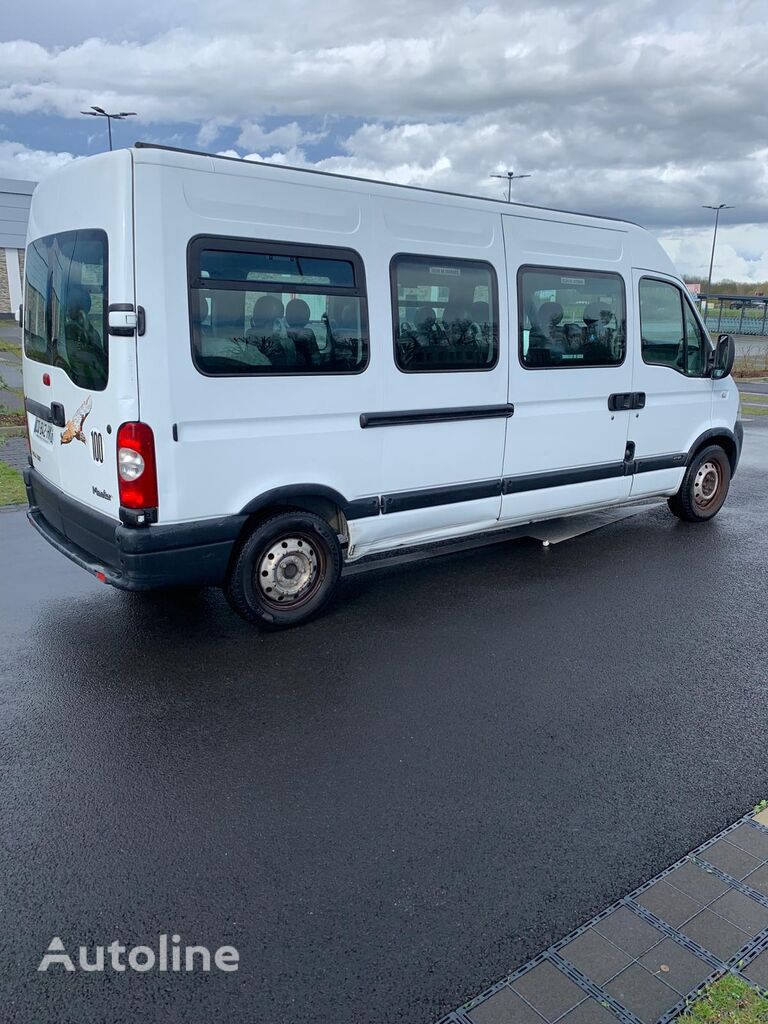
x=19 y=315
x=725 y=354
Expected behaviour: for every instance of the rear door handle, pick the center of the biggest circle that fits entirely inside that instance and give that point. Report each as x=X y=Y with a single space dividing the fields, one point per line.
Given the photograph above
x=53 y=413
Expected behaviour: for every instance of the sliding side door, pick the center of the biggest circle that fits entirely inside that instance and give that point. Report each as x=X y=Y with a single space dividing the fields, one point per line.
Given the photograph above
x=571 y=387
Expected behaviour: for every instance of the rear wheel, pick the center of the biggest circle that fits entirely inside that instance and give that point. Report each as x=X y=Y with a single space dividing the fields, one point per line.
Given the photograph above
x=704 y=487
x=286 y=570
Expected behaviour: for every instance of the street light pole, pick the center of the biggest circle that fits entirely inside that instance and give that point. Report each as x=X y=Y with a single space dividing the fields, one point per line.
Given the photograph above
x=510 y=176
x=100 y=112
x=717 y=210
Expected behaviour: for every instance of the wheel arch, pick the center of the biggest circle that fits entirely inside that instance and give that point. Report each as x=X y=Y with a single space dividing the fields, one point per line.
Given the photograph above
x=318 y=498
x=322 y=500
x=716 y=435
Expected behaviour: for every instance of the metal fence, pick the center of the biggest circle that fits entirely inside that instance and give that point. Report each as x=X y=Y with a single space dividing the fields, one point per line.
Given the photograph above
x=735 y=314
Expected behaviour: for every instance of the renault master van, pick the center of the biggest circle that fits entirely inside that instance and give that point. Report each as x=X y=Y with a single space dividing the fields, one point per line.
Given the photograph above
x=245 y=375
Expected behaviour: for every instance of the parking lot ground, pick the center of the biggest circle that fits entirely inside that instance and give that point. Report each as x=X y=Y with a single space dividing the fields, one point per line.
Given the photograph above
x=390 y=808
x=650 y=954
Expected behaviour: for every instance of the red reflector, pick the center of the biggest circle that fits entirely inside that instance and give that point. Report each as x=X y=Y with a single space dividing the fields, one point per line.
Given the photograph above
x=136 y=491
x=47 y=379
x=101 y=576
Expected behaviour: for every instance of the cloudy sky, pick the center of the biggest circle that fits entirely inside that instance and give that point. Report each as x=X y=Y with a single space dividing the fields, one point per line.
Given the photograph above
x=644 y=109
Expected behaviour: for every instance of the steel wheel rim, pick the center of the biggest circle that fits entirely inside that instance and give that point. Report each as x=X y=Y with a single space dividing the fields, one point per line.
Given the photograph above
x=707 y=483
x=289 y=571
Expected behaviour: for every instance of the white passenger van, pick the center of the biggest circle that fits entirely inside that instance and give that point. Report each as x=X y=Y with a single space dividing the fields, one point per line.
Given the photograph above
x=246 y=375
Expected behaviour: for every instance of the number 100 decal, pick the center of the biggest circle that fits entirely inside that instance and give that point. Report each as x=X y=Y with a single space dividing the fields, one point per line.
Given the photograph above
x=97 y=446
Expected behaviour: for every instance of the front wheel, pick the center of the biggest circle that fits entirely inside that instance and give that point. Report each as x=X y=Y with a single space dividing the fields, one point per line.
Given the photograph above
x=286 y=570
x=704 y=487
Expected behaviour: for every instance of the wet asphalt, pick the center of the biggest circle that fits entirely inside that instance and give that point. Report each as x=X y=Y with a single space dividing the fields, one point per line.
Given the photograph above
x=390 y=808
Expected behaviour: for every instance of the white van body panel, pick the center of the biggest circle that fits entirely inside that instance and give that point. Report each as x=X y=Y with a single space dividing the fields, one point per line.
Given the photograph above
x=238 y=437
x=224 y=442
x=317 y=431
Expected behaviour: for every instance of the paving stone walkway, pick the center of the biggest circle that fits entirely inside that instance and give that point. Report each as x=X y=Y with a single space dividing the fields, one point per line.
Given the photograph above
x=643 y=959
x=14 y=452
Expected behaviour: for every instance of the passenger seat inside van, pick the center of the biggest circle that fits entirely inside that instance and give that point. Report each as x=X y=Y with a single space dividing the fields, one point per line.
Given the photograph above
x=268 y=333
x=297 y=314
x=547 y=338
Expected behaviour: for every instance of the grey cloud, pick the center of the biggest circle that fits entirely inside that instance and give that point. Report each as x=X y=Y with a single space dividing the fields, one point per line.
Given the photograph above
x=645 y=110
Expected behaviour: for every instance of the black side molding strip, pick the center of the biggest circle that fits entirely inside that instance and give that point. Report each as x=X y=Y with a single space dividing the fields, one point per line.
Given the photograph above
x=428 y=497
x=361 y=508
x=407 y=500
x=654 y=462
x=466 y=412
x=562 y=477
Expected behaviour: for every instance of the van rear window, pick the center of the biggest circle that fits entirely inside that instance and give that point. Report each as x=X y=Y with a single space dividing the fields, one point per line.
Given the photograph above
x=65 y=305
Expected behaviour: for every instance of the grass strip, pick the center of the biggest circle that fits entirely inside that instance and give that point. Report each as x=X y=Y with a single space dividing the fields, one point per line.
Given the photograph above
x=12 y=491
x=728 y=1001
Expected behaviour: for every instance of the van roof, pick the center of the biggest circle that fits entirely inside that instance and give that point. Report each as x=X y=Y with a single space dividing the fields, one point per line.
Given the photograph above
x=481 y=200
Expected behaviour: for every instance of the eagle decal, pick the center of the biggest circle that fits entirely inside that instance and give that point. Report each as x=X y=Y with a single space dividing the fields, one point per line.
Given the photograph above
x=73 y=431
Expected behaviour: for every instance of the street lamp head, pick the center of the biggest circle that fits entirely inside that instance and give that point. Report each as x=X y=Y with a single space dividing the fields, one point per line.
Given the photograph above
x=722 y=206
x=101 y=112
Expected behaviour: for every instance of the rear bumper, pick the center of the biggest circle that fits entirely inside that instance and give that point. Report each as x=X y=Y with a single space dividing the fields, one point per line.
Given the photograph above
x=132 y=558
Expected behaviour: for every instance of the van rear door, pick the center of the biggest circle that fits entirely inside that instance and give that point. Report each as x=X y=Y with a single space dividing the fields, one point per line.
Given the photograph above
x=80 y=381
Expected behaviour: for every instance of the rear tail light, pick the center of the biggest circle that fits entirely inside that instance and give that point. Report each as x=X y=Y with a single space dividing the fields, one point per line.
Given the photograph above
x=136 y=467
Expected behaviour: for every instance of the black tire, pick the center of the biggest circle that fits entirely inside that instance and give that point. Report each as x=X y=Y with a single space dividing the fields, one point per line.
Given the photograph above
x=704 y=487
x=286 y=570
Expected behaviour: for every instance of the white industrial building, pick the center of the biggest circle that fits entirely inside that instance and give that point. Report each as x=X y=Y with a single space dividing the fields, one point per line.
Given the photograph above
x=15 y=197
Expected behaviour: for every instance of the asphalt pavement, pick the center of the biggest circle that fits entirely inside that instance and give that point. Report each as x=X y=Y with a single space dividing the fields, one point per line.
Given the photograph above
x=390 y=808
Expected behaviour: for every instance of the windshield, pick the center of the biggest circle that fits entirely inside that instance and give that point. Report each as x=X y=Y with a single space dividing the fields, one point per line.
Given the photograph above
x=65 y=310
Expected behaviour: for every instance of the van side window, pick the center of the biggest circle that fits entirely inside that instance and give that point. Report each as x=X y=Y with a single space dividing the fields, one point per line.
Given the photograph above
x=571 y=318
x=445 y=314
x=261 y=308
x=670 y=332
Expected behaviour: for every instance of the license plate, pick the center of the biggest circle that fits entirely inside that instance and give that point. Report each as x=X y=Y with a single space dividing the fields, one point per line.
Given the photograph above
x=43 y=430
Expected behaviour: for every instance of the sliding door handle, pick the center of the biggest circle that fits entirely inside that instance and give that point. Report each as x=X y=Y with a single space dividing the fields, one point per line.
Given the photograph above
x=626 y=400
x=619 y=402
